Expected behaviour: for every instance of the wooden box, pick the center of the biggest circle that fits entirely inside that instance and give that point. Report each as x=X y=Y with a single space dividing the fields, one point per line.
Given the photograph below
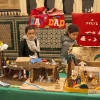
x=23 y=61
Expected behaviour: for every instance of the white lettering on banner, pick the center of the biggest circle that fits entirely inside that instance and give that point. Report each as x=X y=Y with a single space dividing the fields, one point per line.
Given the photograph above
x=83 y=38
x=37 y=21
x=32 y=21
x=56 y=22
x=90 y=32
x=89 y=39
x=92 y=22
x=51 y=22
x=99 y=32
x=94 y=39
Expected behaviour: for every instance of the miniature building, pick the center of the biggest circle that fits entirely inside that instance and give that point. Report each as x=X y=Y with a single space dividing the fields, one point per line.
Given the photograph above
x=44 y=70
x=88 y=71
x=17 y=67
x=11 y=71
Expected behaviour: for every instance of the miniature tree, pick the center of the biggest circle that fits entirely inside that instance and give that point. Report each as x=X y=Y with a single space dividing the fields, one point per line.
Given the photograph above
x=97 y=56
x=70 y=58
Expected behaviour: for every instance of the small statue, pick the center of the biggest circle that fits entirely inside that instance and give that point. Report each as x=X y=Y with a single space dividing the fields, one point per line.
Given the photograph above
x=57 y=85
x=78 y=79
x=24 y=72
x=85 y=72
x=49 y=79
x=94 y=81
x=39 y=78
x=20 y=74
x=90 y=77
x=82 y=64
x=15 y=76
x=53 y=62
x=82 y=78
x=70 y=82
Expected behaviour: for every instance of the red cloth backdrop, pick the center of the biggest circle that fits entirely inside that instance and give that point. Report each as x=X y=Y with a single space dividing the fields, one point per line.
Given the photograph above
x=89 y=24
x=52 y=19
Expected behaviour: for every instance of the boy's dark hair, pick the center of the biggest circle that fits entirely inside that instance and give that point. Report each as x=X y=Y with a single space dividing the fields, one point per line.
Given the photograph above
x=29 y=27
x=73 y=28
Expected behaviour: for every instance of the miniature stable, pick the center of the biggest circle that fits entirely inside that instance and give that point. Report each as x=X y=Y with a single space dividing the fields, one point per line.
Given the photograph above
x=44 y=76
x=82 y=79
x=42 y=71
x=17 y=69
x=86 y=74
x=83 y=72
x=38 y=70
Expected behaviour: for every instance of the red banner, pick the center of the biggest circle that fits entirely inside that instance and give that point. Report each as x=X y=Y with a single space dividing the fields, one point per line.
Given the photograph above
x=89 y=24
x=52 y=19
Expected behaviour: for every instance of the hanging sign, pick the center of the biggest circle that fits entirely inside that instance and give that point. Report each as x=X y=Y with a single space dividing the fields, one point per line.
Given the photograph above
x=52 y=19
x=89 y=24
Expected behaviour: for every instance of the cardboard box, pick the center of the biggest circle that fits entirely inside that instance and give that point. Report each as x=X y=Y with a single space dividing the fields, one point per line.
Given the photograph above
x=23 y=61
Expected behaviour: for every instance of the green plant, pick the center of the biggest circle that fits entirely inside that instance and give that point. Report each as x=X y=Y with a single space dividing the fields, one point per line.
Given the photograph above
x=96 y=57
x=62 y=67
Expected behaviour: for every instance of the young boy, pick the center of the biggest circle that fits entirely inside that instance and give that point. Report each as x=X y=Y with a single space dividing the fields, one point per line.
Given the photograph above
x=68 y=39
x=29 y=44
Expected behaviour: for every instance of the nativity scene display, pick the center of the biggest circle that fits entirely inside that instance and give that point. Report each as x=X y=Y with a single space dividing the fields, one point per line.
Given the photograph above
x=44 y=72
x=44 y=75
x=83 y=70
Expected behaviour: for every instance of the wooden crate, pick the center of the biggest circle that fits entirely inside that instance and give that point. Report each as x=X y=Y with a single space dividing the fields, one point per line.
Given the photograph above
x=23 y=61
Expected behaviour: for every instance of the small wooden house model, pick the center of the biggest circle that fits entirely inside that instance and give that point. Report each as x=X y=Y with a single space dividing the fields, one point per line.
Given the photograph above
x=44 y=70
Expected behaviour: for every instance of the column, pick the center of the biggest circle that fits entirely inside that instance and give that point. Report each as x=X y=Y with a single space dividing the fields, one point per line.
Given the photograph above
x=59 y=4
x=39 y=3
x=23 y=8
x=96 y=6
x=77 y=6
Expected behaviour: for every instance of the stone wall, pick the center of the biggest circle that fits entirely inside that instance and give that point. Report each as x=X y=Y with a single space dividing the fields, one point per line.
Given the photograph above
x=86 y=53
x=13 y=8
x=68 y=6
x=9 y=4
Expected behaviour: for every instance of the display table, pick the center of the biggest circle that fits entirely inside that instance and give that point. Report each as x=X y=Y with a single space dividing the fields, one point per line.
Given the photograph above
x=16 y=94
x=10 y=93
